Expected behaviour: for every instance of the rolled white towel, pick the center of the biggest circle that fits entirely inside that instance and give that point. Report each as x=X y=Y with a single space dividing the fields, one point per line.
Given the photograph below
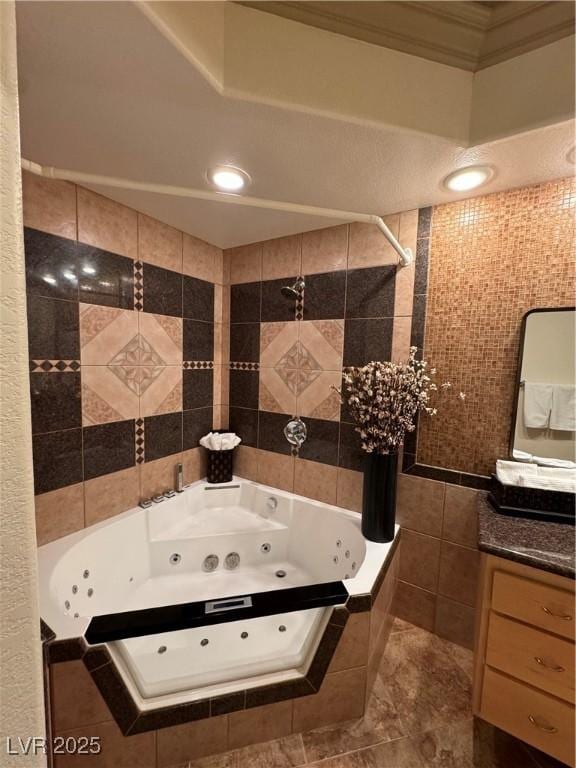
x=548 y=483
x=220 y=441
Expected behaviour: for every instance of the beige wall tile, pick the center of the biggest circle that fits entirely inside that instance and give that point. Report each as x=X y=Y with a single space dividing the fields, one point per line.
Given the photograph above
x=107 y=397
x=352 y=650
x=404 y=290
x=419 y=560
x=276 y=470
x=245 y=263
x=316 y=396
x=75 y=699
x=368 y=247
x=459 y=568
x=105 y=333
x=325 y=250
x=415 y=605
x=59 y=513
x=164 y=393
x=278 y=345
x=159 y=243
x=341 y=697
x=117 y=751
x=194 y=464
x=246 y=462
x=158 y=476
x=349 y=489
x=164 y=335
x=401 y=339
x=107 y=224
x=202 y=260
x=192 y=740
x=276 y=392
x=321 y=344
x=408 y=229
x=259 y=724
x=420 y=504
x=281 y=257
x=315 y=480
x=111 y=494
x=49 y=205
x=455 y=622
x=461 y=516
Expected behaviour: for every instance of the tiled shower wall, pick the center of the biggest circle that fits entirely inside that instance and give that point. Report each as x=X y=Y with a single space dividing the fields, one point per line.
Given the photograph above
x=125 y=322
x=287 y=354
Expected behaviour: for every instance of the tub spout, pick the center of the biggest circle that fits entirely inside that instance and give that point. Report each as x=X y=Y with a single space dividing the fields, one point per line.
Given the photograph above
x=179 y=478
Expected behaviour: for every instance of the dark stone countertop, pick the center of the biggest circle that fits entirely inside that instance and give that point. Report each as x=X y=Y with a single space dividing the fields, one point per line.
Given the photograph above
x=548 y=546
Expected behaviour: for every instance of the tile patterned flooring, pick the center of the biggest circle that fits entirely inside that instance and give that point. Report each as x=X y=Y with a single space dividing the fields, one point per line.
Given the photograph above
x=419 y=716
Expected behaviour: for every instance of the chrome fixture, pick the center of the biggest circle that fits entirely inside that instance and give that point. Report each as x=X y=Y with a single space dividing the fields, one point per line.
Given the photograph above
x=145 y=503
x=179 y=478
x=232 y=561
x=293 y=291
x=210 y=563
x=158 y=499
x=169 y=494
x=272 y=503
x=295 y=432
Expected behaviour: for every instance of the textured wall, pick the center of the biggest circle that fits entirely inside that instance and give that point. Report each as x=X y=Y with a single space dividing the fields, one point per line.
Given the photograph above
x=21 y=686
x=492 y=259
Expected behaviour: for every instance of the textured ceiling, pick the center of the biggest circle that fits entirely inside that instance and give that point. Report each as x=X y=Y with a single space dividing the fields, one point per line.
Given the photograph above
x=102 y=91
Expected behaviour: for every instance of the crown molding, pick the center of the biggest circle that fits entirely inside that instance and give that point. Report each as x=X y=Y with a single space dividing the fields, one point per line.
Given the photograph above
x=460 y=33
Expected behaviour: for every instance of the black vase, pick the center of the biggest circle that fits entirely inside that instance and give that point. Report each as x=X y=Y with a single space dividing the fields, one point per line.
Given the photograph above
x=379 y=499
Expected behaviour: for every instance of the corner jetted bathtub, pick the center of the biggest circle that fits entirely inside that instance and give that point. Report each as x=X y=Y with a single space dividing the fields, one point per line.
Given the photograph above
x=220 y=588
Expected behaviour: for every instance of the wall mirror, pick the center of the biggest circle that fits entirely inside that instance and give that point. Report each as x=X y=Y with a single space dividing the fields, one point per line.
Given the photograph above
x=543 y=423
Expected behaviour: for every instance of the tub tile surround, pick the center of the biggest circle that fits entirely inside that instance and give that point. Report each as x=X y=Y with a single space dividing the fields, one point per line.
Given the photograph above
x=127 y=324
x=418 y=715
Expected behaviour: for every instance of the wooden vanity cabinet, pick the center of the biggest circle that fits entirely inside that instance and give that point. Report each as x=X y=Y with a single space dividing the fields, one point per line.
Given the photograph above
x=524 y=655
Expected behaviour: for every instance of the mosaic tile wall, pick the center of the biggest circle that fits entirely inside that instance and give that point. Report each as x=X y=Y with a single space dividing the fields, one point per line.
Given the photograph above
x=287 y=353
x=125 y=324
x=492 y=259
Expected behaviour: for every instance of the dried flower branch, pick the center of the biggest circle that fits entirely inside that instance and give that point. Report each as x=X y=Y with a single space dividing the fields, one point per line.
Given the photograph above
x=384 y=399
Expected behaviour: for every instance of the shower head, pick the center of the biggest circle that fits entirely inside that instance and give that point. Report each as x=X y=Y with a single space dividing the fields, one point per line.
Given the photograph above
x=293 y=291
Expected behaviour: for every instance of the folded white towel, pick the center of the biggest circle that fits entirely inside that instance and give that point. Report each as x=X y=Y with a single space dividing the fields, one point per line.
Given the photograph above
x=510 y=472
x=563 y=414
x=537 y=404
x=548 y=483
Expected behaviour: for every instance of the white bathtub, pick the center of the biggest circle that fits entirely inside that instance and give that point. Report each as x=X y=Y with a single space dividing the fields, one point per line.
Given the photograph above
x=149 y=558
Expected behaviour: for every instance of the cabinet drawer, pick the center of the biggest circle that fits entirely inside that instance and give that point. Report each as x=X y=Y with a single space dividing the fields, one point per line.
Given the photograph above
x=538 y=604
x=545 y=661
x=537 y=718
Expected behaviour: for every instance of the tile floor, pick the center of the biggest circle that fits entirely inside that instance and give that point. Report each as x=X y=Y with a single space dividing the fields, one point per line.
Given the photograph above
x=419 y=716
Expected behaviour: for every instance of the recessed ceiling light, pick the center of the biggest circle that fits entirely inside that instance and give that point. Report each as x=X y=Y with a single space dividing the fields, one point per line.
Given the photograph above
x=227 y=178
x=468 y=178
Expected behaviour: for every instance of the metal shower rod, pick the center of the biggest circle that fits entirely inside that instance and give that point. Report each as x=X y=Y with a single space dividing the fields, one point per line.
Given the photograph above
x=50 y=172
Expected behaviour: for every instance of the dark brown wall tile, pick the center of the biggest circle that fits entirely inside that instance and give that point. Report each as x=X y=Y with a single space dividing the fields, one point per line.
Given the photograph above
x=198 y=340
x=271 y=432
x=104 y=278
x=275 y=306
x=198 y=299
x=244 y=389
x=48 y=259
x=57 y=459
x=244 y=422
x=325 y=295
x=55 y=401
x=245 y=342
x=163 y=293
x=108 y=448
x=245 y=303
x=370 y=292
x=321 y=441
x=198 y=388
x=367 y=340
x=195 y=424
x=53 y=329
x=162 y=435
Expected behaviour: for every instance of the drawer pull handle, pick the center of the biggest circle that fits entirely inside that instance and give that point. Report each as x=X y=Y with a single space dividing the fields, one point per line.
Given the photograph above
x=564 y=616
x=553 y=667
x=545 y=728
